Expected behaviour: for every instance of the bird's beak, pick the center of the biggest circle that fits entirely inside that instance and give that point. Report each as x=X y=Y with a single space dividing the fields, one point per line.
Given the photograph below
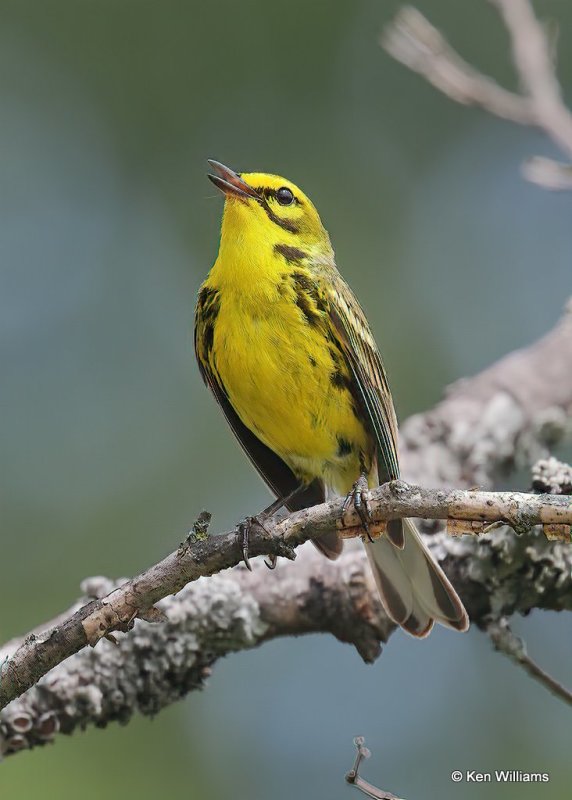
x=230 y=182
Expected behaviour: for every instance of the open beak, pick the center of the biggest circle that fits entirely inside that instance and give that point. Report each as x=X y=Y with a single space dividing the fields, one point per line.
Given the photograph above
x=230 y=182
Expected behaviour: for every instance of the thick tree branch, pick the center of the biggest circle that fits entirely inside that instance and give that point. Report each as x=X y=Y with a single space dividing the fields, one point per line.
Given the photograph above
x=416 y=43
x=470 y=512
x=153 y=665
x=486 y=424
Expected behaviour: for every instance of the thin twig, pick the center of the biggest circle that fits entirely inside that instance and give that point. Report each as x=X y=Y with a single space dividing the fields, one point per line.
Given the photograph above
x=507 y=642
x=534 y=62
x=353 y=777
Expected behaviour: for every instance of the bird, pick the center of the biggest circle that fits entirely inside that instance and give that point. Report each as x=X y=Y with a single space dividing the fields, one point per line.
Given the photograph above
x=286 y=349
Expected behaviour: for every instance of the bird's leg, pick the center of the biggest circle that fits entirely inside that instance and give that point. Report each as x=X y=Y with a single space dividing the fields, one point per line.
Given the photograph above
x=359 y=496
x=245 y=526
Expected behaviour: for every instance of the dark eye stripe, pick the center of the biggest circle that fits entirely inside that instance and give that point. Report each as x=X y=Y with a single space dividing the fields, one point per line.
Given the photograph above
x=266 y=193
x=287 y=224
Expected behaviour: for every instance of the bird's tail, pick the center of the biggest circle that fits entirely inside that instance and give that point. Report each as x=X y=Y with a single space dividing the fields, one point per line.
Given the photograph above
x=414 y=589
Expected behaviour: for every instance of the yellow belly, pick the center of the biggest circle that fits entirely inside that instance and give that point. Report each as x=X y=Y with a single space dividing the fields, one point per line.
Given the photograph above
x=277 y=371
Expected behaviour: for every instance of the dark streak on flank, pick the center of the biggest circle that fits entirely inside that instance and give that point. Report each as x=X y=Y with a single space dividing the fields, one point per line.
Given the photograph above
x=293 y=255
x=308 y=298
x=208 y=306
x=336 y=357
x=312 y=361
x=344 y=447
x=208 y=337
x=339 y=380
x=306 y=307
x=304 y=282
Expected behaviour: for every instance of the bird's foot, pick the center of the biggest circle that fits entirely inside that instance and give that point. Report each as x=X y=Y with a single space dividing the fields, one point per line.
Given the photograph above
x=244 y=528
x=243 y=531
x=359 y=497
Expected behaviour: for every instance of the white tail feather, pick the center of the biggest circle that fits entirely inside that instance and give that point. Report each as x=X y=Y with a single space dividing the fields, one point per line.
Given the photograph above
x=414 y=589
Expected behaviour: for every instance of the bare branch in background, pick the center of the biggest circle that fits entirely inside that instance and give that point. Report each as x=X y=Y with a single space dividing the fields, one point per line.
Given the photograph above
x=507 y=642
x=354 y=778
x=412 y=40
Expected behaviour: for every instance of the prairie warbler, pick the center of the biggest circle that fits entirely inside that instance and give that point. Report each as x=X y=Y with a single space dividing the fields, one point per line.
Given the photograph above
x=287 y=351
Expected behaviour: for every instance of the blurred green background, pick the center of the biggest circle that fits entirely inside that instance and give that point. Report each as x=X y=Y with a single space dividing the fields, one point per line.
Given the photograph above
x=109 y=443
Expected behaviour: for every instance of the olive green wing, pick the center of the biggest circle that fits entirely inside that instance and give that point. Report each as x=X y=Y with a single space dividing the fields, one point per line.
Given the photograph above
x=414 y=590
x=351 y=331
x=272 y=469
x=354 y=337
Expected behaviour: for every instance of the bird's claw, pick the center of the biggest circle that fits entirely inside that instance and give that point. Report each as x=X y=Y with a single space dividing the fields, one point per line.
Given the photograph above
x=359 y=497
x=243 y=530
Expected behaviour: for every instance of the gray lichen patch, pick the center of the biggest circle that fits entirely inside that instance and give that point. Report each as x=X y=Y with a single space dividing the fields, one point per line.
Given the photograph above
x=149 y=667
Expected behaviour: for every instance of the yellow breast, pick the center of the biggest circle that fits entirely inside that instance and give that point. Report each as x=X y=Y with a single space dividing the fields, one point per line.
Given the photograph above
x=287 y=382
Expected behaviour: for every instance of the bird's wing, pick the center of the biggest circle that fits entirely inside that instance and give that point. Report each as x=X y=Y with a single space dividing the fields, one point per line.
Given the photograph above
x=413 y=588
x=352 y=333
x=272 y=469
x=355 y=340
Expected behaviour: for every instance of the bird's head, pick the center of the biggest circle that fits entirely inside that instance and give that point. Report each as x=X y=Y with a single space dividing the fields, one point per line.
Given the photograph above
x=268 y=209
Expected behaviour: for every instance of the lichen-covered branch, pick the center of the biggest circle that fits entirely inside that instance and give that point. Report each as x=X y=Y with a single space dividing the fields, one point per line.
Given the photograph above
x=411 y=39
x=154 y=665
x=469 y=511
x=551 y=476
x=151 y=666
x=506 y=415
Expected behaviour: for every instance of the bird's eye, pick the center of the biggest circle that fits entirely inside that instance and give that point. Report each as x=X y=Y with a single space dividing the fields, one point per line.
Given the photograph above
x=284 y=196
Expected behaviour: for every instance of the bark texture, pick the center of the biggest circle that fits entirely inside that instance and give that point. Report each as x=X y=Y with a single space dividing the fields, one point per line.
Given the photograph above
x=505 y=416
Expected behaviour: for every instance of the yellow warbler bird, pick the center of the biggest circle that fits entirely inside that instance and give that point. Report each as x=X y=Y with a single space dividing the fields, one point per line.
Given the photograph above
x=287 y=351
